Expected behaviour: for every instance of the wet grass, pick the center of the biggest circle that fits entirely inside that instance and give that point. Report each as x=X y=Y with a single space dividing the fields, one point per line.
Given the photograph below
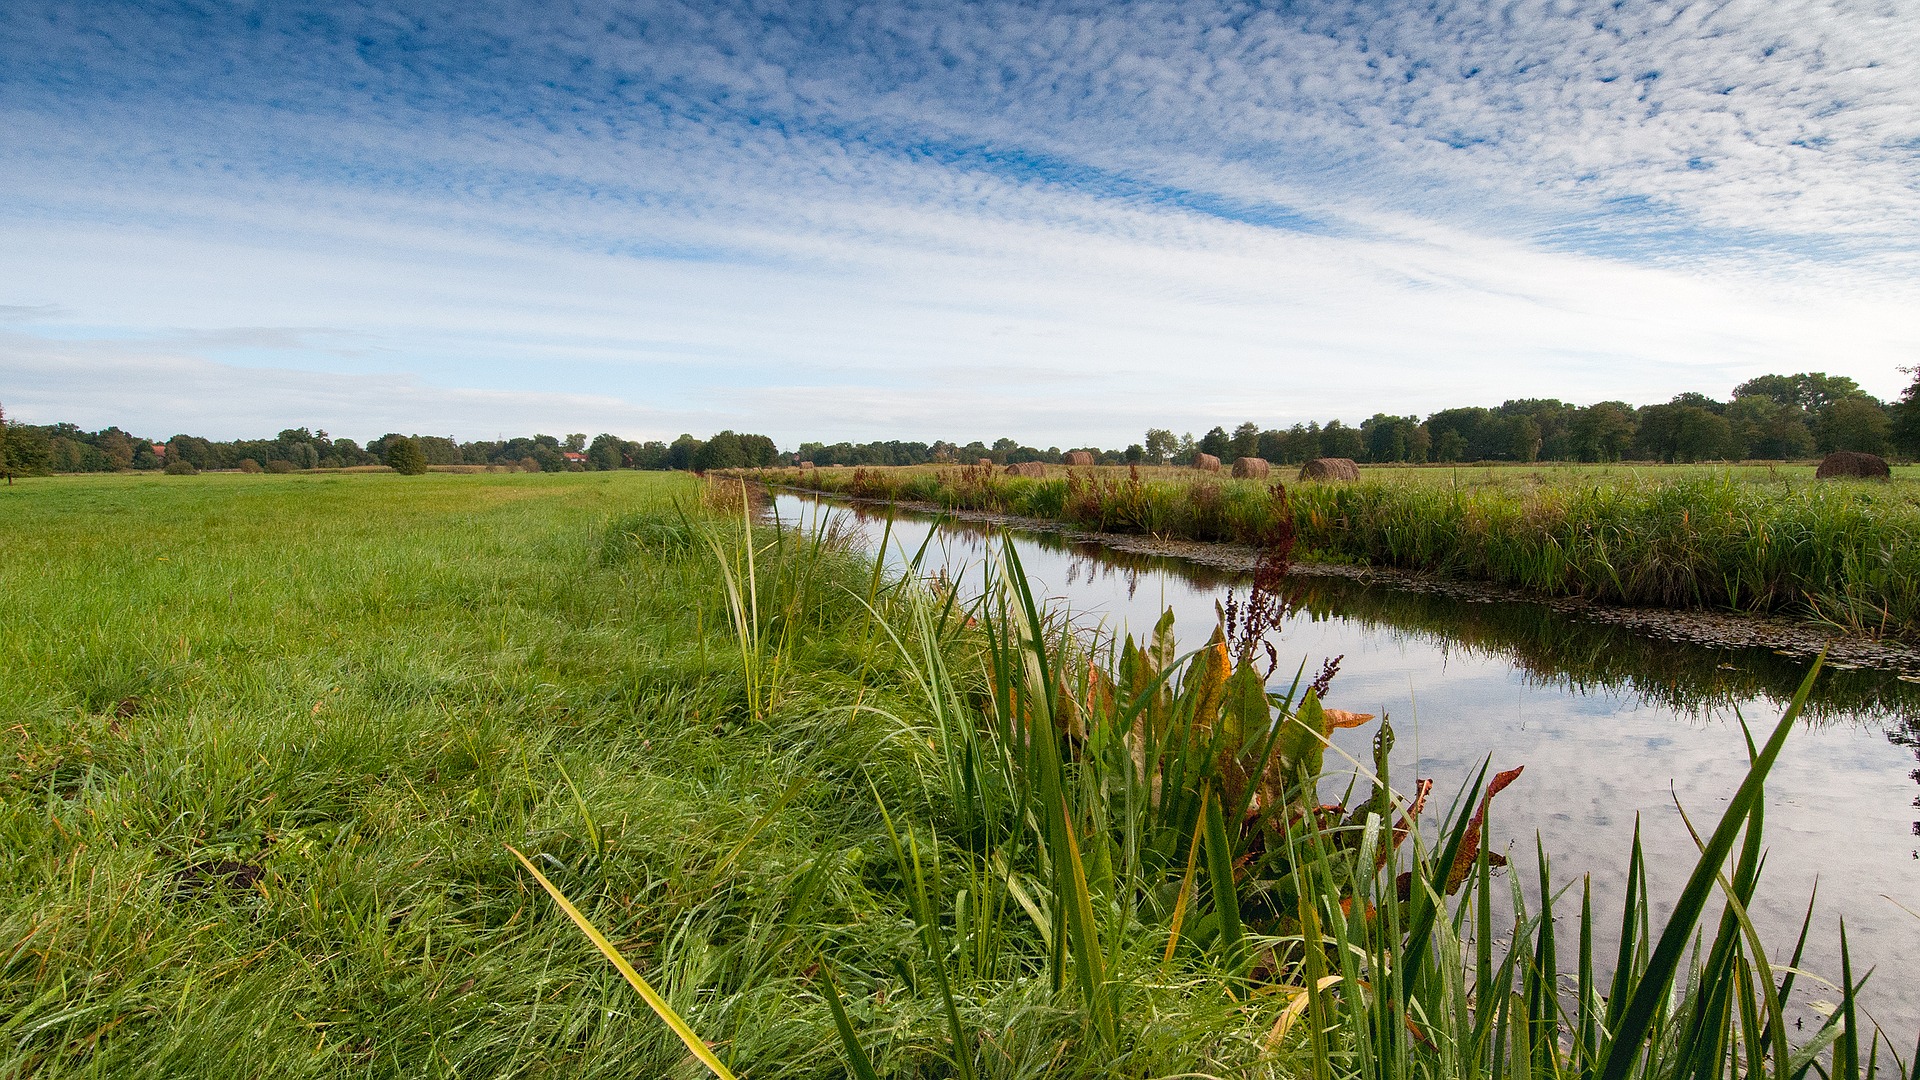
x=1754 y=538
x=274 y=738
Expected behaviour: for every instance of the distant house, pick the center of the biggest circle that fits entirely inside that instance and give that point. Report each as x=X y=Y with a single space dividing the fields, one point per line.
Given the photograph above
x=576 y=458
x=159 y=449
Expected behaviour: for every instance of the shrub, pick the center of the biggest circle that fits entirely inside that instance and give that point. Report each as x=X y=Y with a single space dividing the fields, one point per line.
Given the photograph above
x=277 y=466
x=405 y=457
x=180 y=467
x=248 y=465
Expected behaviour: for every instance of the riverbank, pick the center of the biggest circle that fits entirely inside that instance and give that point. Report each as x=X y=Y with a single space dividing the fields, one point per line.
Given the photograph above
x=1843 y=556
x=1800 y=638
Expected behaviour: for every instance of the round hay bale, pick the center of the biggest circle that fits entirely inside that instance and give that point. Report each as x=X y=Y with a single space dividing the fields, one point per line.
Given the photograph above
x=1027 y=468
x=1078 y=457
x=1851 y=463
x=985 y=462
x=1206 y=463
x=806 y=464
x=1330 y=468
x=1251 y=468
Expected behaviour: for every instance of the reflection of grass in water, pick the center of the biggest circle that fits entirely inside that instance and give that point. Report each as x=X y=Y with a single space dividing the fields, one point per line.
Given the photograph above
x=1549 y=645
x=1584 y=655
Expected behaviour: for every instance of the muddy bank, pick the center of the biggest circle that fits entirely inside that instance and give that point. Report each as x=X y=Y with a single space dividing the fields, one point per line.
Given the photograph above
x=1714 y=629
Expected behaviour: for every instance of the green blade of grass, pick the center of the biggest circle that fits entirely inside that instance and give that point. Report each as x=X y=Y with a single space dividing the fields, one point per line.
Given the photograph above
x=857 y=1060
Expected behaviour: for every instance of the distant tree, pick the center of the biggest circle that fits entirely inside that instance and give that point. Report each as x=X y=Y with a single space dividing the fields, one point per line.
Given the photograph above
x=403 y=455
x=1184 y=453
x=438 y=450
x=607 y=452
x=1299 y=443
x=576 y=443
x=651 y=454
x=1602 y=431
x=1395 y=438
x=197 y=452
x=1461 y=434
x=761 y=452
x=680 y=454
x=1135 y=454
x=1905 y=418
x=1339 y=440
x=1810 y=391
x=1160 y=446
x=24 y=450
x=1216 y=442
x=1768 y=430
x=1245 y=442
x=723 y=451
x=180 y=467
x=1699 y=401
x=1855 y=423
x=117 y=447
x=1523 y=438
x=1681 y=430
x=1272 y=445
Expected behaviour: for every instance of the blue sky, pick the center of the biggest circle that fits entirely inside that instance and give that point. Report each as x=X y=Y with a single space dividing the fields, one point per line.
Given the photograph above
x=1062 y=222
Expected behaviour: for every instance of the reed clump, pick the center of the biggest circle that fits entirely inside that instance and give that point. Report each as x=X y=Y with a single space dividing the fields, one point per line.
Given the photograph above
x=1104 y=821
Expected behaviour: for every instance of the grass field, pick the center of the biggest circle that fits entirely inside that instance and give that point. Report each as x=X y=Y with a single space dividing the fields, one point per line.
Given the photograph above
x=1758 y=538
x=270 y=739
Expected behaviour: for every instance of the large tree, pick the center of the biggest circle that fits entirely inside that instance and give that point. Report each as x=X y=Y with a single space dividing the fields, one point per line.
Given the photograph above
x=1856 y=423
x=1809 y=391
x=1160 y=446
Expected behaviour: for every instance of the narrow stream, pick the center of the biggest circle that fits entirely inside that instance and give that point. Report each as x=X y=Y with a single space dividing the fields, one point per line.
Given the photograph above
x=1611 y=725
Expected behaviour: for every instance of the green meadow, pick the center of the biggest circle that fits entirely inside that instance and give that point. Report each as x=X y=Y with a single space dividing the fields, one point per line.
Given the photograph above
x=277 y=746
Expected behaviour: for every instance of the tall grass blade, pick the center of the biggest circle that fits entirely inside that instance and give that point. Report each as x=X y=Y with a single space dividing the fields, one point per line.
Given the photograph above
x=695 y=1045
x=857 y=1060
x=1638 y=1016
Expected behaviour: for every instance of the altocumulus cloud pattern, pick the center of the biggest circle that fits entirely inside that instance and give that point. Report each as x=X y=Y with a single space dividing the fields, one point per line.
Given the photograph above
x=1069 y=220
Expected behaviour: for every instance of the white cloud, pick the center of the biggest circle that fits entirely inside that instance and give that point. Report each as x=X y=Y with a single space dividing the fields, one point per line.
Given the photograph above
x=1021 y=221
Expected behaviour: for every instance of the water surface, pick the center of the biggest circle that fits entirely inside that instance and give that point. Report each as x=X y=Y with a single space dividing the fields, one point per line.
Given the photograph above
x=1611 y=726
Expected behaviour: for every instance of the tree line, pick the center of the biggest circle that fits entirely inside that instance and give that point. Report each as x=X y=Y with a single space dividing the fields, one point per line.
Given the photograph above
x=1770 y=418
x=35 y=449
